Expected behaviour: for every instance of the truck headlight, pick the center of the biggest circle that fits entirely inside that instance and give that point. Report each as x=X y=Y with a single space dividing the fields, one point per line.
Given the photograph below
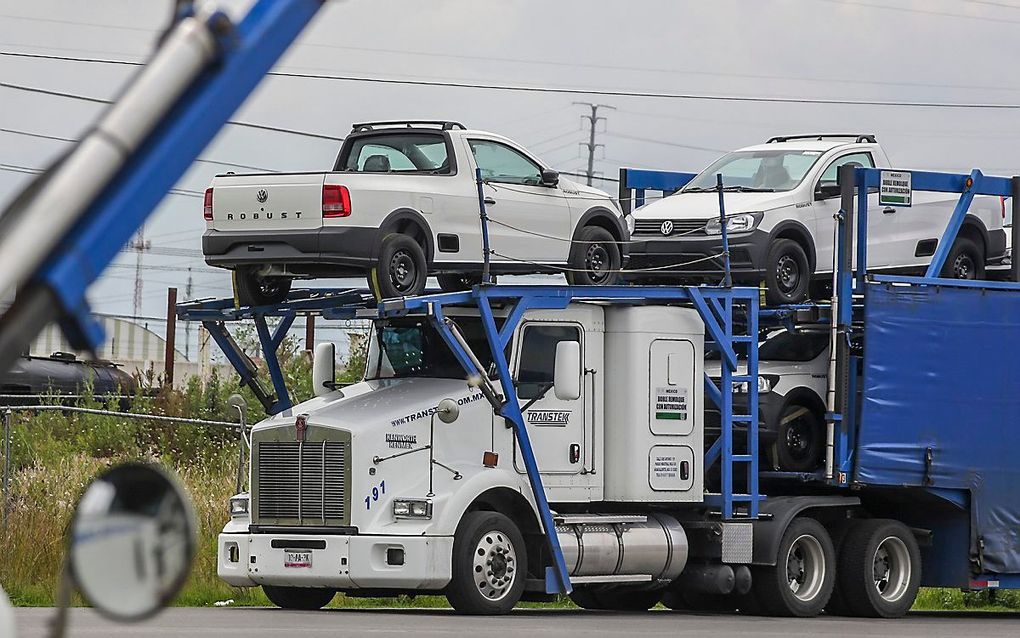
x=412 y=508
x=239 y=505
x=740 y=223
x=765 y=384
x=631 y=223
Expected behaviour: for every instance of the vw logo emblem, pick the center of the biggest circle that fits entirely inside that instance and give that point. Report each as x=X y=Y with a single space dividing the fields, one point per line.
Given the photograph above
x=262 y=195
x=667 y=227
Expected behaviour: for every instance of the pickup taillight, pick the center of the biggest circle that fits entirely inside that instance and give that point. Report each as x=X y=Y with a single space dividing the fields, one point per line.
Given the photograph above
x=207 y=205
x=336 y=201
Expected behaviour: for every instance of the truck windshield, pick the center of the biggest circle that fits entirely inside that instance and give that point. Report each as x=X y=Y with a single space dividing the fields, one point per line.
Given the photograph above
x=756 y=171
x=396 y=153
x=411 y=347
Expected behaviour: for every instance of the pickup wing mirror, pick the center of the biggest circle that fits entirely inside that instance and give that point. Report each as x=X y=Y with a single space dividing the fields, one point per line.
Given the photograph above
x=827 y=190
x=550 y=177
x=567 y=371
x=324 y=369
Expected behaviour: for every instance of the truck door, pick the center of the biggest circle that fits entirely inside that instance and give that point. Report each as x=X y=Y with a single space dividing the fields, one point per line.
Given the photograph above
x=529 y=221
x=556 y=428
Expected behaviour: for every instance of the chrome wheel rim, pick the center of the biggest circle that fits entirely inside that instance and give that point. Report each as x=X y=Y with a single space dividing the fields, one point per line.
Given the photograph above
x=891 y=569
x=805 y=568
x=495 y=565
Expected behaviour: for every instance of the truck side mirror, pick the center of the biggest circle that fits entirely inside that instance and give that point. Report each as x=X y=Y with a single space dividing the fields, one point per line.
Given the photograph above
x=567 y=371
x=550 y=177
x=827 y=190
x=324 y=369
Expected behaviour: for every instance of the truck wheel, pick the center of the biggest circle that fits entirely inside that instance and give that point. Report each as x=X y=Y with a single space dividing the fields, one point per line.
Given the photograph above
x=800 y=440
x=401 y=269
x=837 y=603
x=305 y=598
x=616 y=599
x=787 y=273
x=489 y=565
x=253 y=290
x=801 y=581
x=879 y=569
x=965 y=261
x=457 y=282
x=594 y=258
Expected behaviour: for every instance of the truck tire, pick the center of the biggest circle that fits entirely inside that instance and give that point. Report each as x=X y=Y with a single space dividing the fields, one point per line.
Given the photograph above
x=457 y=282
x=837 y=603
x=616 y=598
x=304 y=598
x=800 y=439
x=801 y=581
x=401 y=269
x=595 y=258
x=787 y=273
x=879 y=569
x=253 y=290
x=489 y=565
x=966 y=260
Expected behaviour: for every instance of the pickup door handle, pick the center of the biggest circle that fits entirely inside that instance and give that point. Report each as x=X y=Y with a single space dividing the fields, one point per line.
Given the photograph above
x=489 y=201
x=888 y=210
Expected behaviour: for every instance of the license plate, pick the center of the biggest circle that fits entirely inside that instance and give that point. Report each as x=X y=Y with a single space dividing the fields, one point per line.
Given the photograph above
x=297 y=559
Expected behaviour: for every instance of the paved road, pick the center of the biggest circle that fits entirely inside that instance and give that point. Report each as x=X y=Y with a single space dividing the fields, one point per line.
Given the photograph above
x=259 y=623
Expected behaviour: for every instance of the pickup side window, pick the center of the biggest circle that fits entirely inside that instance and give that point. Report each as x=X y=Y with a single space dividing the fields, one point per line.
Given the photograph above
x=829 y=174
x=538 y=356
x=398 y=153
x=500 y=163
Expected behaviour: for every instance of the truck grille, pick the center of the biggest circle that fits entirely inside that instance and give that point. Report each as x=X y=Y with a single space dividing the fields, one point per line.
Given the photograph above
x=301 y=483
x=680 y=226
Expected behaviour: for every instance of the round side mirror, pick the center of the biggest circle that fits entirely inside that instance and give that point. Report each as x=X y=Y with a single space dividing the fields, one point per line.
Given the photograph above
x=132 y=541
x=448 y=410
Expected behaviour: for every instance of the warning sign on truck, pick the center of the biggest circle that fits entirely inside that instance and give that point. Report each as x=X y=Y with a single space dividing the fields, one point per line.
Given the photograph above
x=670 y=403
x=895 y=189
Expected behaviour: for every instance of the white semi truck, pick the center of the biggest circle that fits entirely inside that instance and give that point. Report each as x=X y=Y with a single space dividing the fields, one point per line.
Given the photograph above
x=409 y=482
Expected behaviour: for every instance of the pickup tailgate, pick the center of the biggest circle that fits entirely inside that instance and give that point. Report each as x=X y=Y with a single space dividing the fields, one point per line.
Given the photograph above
x=267 y=201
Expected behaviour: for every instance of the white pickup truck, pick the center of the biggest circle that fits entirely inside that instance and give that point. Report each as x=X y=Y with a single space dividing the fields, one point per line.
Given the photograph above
x=401 y=203
x=780 y=200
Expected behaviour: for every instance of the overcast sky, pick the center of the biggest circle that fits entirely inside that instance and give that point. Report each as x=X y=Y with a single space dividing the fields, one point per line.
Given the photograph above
x=961 y=51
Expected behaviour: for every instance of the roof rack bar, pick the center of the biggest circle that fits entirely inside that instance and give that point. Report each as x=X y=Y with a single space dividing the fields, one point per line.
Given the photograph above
x=858 y=137
x=447 y=125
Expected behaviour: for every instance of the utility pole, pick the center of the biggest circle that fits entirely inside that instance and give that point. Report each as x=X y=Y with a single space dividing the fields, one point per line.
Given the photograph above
x=187 y=324
x=139 y=245
x=593 y=119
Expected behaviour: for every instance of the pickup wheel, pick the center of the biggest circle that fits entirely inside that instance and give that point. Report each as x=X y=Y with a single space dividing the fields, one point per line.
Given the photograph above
x=457 y=282
x=254 y=290
x=787 y=273
x=966 y=260
x=800 y=439
x=489 y=565
x=401 y=269
x=305 y=598
x=595 y=258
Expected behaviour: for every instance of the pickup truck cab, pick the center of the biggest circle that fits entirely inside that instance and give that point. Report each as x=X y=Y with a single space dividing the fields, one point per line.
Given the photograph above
x=402 y=203
x=780 y=200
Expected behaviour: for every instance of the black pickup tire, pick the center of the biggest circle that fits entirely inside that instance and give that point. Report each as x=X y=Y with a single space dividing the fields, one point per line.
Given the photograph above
x=401 y=269
x=800 y=439
x=254 y=290
x=966 y=260
x=304 y=598
x=595 y=258
x=787 y=273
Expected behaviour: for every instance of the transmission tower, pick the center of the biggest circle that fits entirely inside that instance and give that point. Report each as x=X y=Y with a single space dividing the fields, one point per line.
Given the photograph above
x=593 y=120
x=139 y=244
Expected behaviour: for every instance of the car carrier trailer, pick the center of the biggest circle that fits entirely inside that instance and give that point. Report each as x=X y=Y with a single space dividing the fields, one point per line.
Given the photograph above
x=631 y=506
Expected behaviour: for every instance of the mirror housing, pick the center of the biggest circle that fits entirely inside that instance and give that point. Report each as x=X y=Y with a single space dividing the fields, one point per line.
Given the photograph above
x=132 y=541
x=827 y=191
x=324 y=369
x=567 y=371
x=550 y=177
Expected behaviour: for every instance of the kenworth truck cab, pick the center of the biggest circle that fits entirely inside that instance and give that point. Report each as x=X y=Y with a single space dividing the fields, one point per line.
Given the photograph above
x=408 y=483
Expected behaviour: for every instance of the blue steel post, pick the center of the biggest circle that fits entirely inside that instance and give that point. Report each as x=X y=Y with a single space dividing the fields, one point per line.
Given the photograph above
x=484 y=217
x=862 y=228
x=752 y=401
x=557 y=577
x=270 y=346
x=971 y=186
x=727 y=278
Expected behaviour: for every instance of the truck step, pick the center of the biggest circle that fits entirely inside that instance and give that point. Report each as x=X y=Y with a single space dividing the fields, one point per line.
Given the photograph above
x=598 y=519
x=610 y=578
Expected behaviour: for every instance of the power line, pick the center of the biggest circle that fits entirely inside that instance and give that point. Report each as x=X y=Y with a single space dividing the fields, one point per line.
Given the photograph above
x=71 y=139
x=551 y=90
x=651 y=140
x=947 y=14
